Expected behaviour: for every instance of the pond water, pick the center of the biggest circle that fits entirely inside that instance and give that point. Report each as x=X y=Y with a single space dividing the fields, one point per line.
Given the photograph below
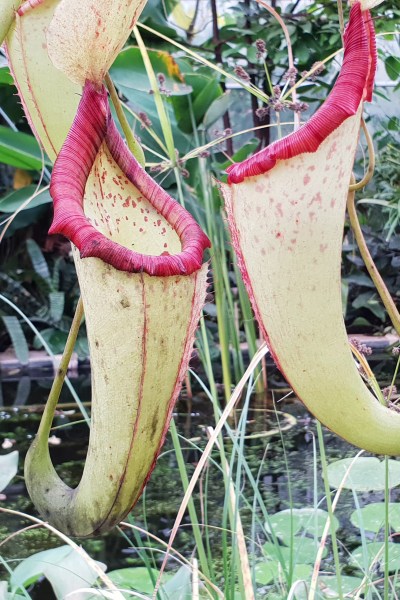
x=286 y=464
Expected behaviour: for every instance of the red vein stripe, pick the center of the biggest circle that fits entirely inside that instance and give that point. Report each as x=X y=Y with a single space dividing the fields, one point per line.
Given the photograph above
x=353 y=85
x=92 y=126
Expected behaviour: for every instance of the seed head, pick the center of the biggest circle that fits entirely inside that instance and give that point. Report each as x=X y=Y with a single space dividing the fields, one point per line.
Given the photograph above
x=362 y=348
x=262 y=112
x=261 y=48
x=145 y=121
x=290 y=75
x=396 y=351
x=240 y=72
x=298 y=107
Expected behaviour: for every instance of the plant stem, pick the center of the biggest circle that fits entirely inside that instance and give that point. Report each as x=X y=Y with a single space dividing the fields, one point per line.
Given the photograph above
x=54 y=395
x=387 y=498
x=371 y=165
x=329 y=506
x=369 y=263
x=162 y=113
x=392 y=382
x=191 y=507
x=132 y=142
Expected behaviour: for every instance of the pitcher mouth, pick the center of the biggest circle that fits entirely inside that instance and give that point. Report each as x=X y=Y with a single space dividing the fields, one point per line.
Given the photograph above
x=93 y=126
x=354 y=84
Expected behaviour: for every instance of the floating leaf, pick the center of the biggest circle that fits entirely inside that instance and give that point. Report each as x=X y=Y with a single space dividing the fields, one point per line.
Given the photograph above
x=302 y=549
x=328 y=588
x=367 y=473
x=308 y=520
x=377 y=549
x=266 y=572
x=372 y=517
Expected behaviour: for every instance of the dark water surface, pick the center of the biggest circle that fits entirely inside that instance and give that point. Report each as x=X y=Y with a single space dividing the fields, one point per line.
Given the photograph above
x=22 y=404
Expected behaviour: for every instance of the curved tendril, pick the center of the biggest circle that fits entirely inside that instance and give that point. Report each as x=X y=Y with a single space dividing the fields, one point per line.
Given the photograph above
x=371 y=166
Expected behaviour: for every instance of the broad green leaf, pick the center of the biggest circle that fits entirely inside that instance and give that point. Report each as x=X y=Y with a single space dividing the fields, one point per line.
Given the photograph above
x=129 y=70
x=140 y=579
x=179 y=587
x=372 y=302
x=372 y=517
x=303 y=549
x=64 y=567
x=12 y=201
x=20 y=150
x=285 y=524
x=266 y=572
x=392 y=66
x=216 y=110
x=8 y=468
x=18 y=339
x=327 y=587
x=367 y=473
x=305 y=519
x=374 y=549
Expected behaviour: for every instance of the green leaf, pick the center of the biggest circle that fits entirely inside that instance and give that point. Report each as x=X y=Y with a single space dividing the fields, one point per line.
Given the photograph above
x=57 y=301
x=64 y=567
x=308 y=520
x=55 y=338
x=5 y=76
x=8 y=468
x=12 y=201
x=266 y=572
x=18 y=339
x=216 y=110
x=373 y=549
x=327 y=587
x=38 y=261
x=129 y=70
x=303 y=549
x=372 y=302
x=179 y=587
x=284 y=524
x=372 y=517
x=137 y=578
x=392 y=66
x=367 y=473
x=20 y=150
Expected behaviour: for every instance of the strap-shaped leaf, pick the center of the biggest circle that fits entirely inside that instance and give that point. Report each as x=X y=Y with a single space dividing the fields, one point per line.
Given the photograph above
x=18 y=338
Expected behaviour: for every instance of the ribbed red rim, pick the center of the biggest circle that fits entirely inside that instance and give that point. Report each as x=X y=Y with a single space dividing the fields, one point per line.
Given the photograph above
x=354 y=84
x=92 y=126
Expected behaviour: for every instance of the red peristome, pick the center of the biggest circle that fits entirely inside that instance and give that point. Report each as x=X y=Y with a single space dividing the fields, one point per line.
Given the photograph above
x=92 y=126
x=353 y=85
x=373 y=55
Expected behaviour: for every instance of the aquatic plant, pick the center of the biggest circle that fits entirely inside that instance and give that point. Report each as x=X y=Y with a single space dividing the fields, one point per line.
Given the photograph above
x=286 y=208
x=138 y=255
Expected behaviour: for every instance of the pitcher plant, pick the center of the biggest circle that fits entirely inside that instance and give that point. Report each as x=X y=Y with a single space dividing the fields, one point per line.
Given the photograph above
x=138 y=254
x=286 y=209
